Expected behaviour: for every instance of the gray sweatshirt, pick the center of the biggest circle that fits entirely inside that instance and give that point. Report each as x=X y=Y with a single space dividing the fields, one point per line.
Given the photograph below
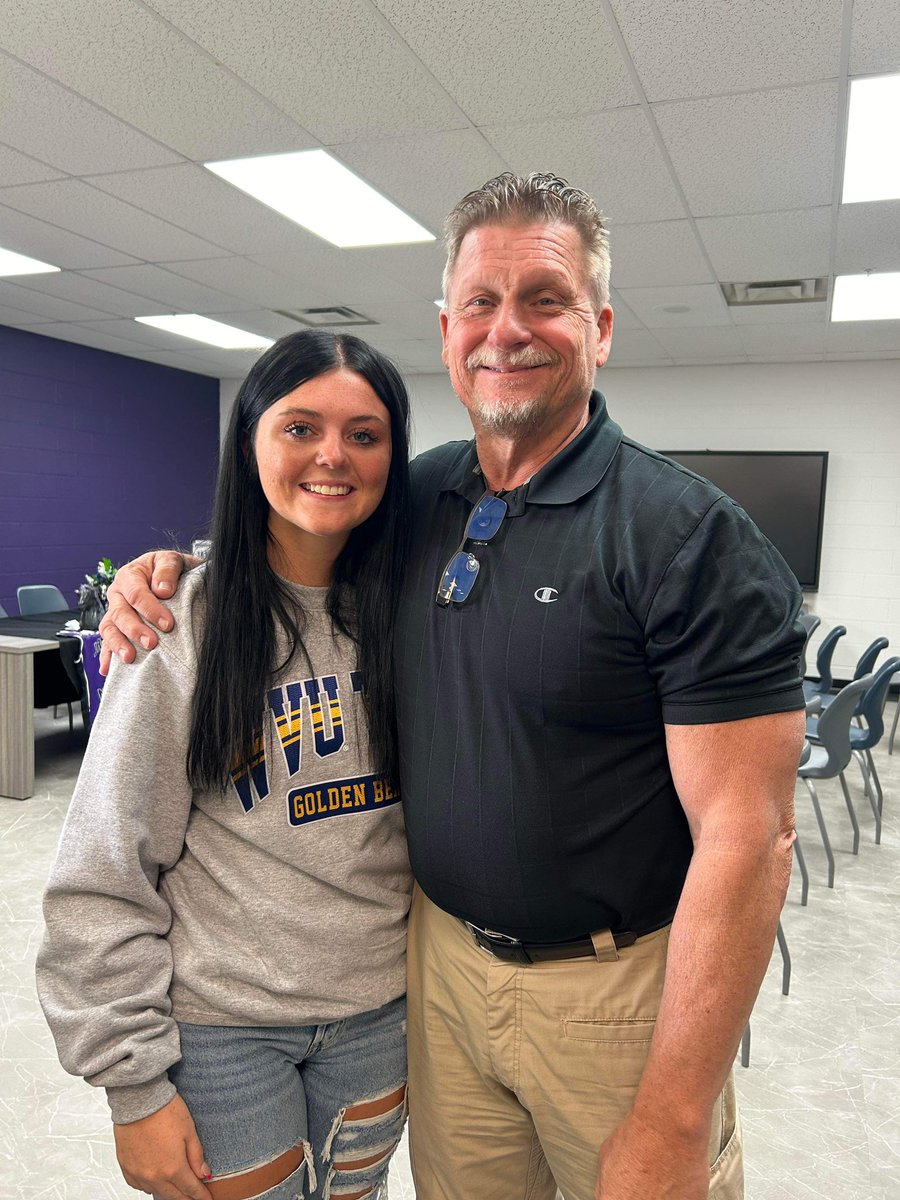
x=281 y=901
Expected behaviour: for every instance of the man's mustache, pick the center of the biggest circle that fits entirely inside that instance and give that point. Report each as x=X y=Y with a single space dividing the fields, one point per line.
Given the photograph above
x=528 y=356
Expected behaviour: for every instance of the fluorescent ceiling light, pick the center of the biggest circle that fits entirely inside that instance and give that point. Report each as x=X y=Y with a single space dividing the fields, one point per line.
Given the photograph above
x=20 y=264
x=871 y=167
x=874 y=297
x=319 y=193
x=214 y=333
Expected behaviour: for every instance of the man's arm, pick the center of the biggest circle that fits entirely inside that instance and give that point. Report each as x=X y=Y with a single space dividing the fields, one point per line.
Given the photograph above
x=736 y=783
x=133 y=606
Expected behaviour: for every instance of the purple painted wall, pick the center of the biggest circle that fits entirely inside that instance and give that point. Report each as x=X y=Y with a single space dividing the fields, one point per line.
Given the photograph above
x=100 y=455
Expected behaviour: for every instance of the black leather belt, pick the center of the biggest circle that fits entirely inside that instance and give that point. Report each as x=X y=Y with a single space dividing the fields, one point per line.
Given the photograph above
x=510 y=949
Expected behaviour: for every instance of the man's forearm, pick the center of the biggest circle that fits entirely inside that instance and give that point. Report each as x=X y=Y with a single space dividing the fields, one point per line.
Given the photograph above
x=719 y=947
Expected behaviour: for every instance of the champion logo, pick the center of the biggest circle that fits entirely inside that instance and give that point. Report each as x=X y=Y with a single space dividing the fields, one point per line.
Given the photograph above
x=546 y=595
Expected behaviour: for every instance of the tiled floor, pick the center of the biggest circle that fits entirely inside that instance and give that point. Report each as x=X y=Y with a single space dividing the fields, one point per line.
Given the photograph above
x=821 y=1099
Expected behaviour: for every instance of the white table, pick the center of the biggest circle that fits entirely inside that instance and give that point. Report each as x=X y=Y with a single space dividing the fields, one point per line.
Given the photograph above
x=17 y=713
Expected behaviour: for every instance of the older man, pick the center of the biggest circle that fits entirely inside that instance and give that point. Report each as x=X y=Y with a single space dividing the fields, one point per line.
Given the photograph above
x=600 y=719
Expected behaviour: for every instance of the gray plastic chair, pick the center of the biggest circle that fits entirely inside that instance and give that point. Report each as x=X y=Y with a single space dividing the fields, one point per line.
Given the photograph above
x=823 y=663
x=810 y=623
x=3 y=612
x=785 y=990
x=871 y=709
x=40 y=598
x=865 y=666
x=829 y=758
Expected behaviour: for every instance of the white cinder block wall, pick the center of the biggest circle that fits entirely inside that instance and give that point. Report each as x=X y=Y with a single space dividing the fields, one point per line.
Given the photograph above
x=851 y=409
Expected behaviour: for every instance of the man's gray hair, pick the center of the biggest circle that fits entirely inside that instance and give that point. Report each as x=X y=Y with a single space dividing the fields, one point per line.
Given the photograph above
x=513 y=200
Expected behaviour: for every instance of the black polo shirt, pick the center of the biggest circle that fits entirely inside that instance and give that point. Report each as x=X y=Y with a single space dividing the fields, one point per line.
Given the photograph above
x=621 y=592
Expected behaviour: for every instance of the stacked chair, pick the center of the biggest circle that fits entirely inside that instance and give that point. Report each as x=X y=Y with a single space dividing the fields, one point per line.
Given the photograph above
x=842 y=723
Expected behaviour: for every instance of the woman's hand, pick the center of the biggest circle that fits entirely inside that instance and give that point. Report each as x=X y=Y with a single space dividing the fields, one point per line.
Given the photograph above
x=133 y=605
x=161 y=1154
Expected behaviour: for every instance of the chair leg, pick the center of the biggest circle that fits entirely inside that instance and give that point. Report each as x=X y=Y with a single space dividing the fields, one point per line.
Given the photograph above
x=55 y=707
x=71 y=727
x=826 y=841
x=785 y=960
x=851 y=811
x=894 y=727
x=863 y=761
x=745 y=1047
x=873 y=774
x=804 y=874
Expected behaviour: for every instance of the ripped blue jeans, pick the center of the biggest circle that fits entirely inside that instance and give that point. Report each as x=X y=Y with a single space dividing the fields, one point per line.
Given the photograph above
x=255 y=1093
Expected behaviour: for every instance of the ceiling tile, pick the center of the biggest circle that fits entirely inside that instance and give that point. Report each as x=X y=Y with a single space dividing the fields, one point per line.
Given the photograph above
x=417 y=269
x=418 y=357
x=418 y=319
x=656 y=255
x=704 y=303
x=27 y=235
x=427 y=174
x=623 y=317
x=332 y=276
x=875 y=37
x=718 y=341
x=868 y=238
x=153 y=338
x=687 y=48
x=81 y=290
x=125 y=58
x=785 y=314
x=192 y=198
x=163 y=290
x=86 y=336
x=254 y=284
x=18 y=317
x=759 y=152
x=772 y=245
x=39 y=117
x=52 y=307
x=611 y=155
x=346 y=74
x=516 y=61
x=21 y=168
x=632 y=347
x=863 y=335
x=761 y=340
x=84 y=210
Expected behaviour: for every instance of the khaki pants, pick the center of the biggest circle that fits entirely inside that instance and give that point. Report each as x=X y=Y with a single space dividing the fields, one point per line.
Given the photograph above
x=517 y=1074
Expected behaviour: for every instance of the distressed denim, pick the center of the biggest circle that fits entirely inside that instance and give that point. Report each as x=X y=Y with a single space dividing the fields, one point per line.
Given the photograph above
x=256 y=1092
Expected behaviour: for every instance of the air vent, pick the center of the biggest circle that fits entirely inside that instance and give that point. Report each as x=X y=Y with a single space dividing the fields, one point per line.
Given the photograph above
x=326 y=318
x=776 y=291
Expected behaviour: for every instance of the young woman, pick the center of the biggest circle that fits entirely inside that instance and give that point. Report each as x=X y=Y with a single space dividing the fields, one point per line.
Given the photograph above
x=225 y=946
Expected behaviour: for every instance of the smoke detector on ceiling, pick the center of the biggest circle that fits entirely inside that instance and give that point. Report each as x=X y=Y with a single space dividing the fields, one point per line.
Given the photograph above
x=776 y=291
x=326 y=318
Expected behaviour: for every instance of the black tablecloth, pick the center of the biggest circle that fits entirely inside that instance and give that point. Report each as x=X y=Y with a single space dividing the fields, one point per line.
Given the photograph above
x=57 y=678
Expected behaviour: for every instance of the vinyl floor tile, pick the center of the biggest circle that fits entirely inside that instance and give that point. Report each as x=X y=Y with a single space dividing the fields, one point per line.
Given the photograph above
x=820 y=1100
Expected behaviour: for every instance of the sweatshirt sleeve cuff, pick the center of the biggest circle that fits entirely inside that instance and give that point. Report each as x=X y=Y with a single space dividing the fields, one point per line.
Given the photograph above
x=135 y=1101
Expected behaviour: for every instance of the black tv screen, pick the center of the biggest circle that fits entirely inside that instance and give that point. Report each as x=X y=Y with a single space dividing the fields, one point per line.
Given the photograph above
x=783 y=492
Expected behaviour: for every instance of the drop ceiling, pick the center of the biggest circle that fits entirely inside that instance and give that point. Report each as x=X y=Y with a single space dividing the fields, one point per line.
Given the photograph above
x=710 y=132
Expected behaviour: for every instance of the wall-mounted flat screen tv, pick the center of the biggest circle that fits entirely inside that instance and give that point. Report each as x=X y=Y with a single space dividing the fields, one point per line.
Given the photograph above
x=783 y=492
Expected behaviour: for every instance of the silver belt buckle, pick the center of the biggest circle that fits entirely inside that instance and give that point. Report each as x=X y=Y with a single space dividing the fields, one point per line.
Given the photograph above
x=491 y=933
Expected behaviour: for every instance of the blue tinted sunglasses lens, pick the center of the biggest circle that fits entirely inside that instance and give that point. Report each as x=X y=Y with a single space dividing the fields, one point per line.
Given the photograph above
x=459 y=578
x=487 y=517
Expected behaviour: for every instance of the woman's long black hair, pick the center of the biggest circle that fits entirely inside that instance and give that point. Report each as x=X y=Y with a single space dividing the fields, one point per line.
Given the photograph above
x=246 y=602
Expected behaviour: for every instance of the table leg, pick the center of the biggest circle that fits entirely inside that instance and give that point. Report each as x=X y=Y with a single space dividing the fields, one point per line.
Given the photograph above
x=17 y=725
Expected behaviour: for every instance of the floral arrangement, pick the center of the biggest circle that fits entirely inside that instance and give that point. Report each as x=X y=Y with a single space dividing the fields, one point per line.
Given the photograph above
x=92 y=593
